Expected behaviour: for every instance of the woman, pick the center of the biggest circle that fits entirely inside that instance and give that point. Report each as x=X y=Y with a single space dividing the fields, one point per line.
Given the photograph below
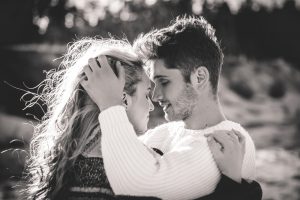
x=65 y=149
x=66 y=160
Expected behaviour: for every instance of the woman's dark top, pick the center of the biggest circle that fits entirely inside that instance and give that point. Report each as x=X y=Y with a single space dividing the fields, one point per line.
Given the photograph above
x=90 y=183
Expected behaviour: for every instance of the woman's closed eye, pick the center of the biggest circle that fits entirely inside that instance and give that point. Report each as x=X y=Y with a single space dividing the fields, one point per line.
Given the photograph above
x=148 y=94
x=164 y=82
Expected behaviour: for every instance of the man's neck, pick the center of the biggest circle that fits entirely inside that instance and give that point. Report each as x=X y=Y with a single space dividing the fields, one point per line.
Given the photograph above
x=205 y=115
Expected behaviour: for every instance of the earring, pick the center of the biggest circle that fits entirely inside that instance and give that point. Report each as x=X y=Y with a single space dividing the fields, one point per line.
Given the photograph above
x=125 y=102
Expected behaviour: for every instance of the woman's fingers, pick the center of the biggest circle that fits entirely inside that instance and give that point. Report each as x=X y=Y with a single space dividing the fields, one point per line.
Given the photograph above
x=101 y=62
x=233 y=136
x=84 y=84
x=240 y=136
x=222 y=137
x=87 y=71
x=104 y=64
x=93 y=64
x=230 y=158
x=121 y=72
x=215 y=147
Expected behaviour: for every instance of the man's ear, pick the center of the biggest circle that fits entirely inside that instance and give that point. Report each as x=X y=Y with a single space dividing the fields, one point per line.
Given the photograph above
x=200 y=77
x=126 y=100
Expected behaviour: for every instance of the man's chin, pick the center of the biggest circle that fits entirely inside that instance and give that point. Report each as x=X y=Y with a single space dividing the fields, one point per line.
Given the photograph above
x=167 y=117
x=170 y=117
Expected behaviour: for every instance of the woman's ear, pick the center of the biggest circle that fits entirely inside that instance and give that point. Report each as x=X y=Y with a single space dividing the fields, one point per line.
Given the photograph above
x=200 y=77
x=126 y=100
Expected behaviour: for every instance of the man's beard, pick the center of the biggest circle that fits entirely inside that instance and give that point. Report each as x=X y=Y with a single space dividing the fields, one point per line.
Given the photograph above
x=182 y=107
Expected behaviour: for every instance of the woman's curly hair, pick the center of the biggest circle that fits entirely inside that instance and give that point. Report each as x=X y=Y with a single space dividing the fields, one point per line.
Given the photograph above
x=71 y=116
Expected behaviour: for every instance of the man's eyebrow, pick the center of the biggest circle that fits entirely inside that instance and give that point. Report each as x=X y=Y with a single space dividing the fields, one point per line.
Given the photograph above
x=159 y=76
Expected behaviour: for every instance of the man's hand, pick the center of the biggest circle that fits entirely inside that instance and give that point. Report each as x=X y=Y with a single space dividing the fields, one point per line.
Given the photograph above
x=100 y=82
x=228 y=149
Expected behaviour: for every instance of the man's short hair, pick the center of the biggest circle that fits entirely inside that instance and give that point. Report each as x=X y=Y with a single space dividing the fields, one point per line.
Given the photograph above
x=187 y=43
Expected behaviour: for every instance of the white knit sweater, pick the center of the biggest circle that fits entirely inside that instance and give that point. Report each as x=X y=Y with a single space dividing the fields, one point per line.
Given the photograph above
x=187 y=169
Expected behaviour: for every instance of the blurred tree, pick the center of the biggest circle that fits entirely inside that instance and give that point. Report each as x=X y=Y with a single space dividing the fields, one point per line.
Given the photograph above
x=60 y=20
x=16 y=21
x=258 y=28
x=76 y=12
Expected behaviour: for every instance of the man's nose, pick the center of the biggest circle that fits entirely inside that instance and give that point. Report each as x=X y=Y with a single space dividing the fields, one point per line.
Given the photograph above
x=156 y=95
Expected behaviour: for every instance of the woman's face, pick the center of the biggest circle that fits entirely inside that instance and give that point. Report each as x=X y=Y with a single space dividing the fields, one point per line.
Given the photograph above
x=140 y=105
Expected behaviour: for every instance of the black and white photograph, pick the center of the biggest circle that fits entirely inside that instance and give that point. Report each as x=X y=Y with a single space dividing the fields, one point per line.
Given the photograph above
x=150 y=99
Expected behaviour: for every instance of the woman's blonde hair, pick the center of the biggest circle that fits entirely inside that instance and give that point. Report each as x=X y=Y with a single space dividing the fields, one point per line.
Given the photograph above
x=71 y=115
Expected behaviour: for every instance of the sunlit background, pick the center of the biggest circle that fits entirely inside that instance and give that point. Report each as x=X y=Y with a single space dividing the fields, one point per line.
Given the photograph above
x=260 y=85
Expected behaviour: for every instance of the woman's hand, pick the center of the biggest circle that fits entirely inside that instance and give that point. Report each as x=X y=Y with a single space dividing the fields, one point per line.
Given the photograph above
x=228 y=149
x=100 y=82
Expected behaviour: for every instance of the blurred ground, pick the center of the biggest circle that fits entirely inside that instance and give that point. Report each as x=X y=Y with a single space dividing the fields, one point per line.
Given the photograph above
x=263 y=96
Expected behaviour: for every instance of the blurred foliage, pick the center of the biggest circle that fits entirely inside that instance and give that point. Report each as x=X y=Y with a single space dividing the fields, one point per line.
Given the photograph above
x=258 y=28
x=81 y=17
x=81 y=12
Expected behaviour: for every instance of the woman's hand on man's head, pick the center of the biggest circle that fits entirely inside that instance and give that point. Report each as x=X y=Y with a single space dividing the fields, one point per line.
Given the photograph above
x=101 y=83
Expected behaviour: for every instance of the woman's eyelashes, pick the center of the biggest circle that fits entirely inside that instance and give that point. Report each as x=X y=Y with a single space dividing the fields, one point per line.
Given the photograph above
x=148 y=95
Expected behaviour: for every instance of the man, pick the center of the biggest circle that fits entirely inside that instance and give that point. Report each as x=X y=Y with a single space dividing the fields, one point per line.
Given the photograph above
x=184 y=61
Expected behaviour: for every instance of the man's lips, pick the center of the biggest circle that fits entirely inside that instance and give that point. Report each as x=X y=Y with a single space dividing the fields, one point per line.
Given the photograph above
x=165 y=107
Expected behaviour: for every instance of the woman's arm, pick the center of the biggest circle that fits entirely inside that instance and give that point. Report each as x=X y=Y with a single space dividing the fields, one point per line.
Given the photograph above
x=132 y=169
x=230 y=164
x=186 y=172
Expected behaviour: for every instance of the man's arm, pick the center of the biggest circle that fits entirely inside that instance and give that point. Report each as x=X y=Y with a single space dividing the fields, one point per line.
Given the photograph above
x=229 y=189
x=133 y=169
x=226 y=189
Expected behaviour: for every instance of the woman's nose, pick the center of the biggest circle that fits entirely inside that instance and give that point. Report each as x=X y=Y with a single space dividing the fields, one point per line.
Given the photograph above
x=151 y=106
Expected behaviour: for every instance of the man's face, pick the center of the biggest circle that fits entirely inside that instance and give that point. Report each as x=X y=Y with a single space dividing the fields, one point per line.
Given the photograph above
x=177 y=97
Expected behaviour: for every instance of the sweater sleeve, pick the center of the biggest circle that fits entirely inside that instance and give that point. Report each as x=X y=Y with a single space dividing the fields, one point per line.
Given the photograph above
x=133 y=169
x=249 y=168
x=229 y=189
x=156 y=138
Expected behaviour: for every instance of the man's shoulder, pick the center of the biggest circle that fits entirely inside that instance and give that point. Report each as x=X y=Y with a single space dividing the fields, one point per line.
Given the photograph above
x=234 y=125
x=229 y=125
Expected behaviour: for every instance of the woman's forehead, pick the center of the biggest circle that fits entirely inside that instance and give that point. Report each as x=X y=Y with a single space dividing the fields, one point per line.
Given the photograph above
x=145 y=81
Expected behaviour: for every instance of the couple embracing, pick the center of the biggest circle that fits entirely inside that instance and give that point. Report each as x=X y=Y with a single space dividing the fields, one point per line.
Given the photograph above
x=93 y=142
